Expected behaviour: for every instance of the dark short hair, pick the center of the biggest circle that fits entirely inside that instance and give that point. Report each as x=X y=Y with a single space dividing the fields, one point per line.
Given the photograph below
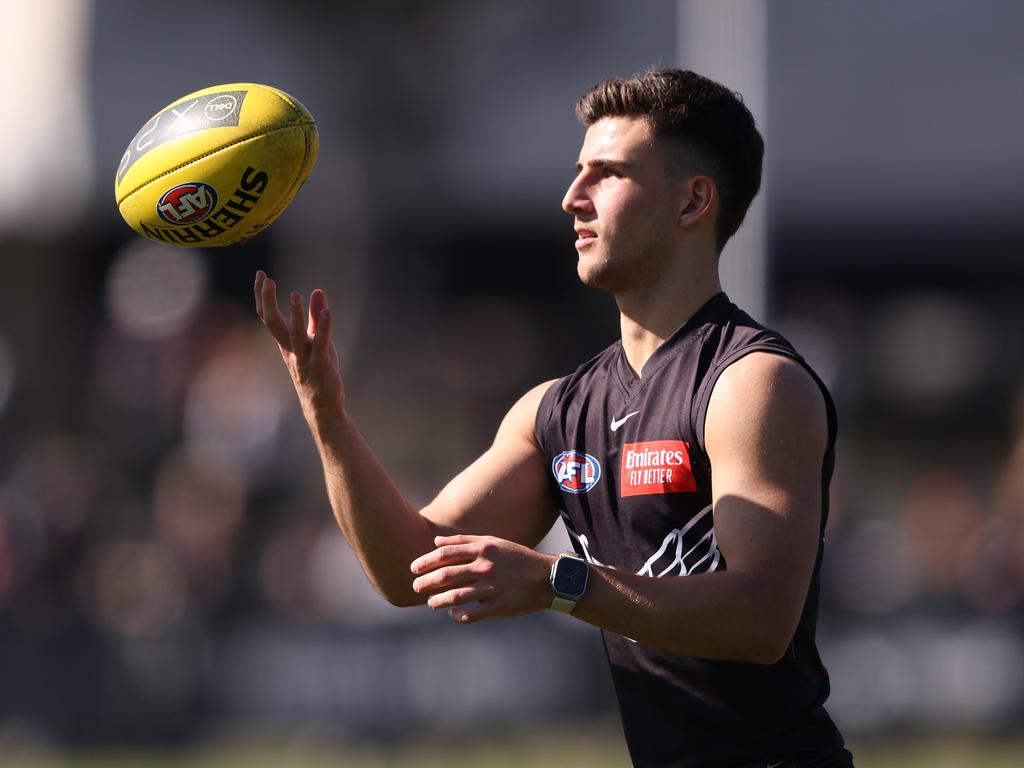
x=709 y=122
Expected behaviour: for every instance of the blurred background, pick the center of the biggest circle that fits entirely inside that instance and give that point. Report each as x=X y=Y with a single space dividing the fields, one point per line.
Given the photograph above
x=170 y=574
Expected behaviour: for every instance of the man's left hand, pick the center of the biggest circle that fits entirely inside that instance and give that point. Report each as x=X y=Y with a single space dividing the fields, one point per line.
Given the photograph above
x=483 y=577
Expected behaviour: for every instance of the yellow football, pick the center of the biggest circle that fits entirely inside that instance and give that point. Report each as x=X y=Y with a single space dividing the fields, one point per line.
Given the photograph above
x=216 y=166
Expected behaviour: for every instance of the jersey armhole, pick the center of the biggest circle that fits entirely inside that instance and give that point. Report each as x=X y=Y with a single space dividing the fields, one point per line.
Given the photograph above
x=699 y=409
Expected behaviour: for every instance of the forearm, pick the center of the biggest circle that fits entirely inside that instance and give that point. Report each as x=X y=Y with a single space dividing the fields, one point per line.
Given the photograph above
x=723 y=615
x=384 y=530
x=727 y=615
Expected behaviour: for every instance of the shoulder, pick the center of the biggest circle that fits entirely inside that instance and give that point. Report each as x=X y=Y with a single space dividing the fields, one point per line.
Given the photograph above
x=763 y=398
x=521 y=419
x=741 y=358
x=762 y=372
x=729 y=336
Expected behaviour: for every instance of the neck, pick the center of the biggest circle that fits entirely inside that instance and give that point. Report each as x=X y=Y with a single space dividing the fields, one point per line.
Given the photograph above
x=651 y=313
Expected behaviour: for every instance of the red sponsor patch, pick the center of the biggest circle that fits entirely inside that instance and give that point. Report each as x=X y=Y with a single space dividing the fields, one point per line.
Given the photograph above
x=658 y=466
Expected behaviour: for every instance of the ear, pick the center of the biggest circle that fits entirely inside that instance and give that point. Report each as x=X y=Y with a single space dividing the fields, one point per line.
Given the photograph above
x=703 y=194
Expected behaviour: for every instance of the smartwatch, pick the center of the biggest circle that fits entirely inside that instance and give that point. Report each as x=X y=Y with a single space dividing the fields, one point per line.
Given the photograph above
x=568 y=581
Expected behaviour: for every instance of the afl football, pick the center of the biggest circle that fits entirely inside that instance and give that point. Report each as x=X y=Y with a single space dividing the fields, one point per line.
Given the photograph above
x=216 y=166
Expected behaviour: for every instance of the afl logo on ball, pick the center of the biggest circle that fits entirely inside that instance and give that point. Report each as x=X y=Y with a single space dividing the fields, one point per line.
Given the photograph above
x=576 y=472
x=187 y=203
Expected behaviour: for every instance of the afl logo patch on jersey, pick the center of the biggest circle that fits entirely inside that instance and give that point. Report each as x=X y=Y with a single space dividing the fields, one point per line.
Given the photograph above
x=187 y=203
x=576 y=472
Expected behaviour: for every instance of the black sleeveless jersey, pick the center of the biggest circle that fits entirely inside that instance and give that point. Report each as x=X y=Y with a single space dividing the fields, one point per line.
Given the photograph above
x=633 y=481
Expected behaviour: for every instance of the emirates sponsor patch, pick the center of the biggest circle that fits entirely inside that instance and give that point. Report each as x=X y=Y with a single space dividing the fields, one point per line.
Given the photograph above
x=657 y=466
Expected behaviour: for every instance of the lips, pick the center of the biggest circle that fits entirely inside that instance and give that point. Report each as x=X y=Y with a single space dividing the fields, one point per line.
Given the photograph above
x=585 y=237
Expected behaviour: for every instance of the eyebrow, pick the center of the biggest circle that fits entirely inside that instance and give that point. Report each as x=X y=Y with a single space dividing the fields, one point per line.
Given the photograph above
x=604 y=163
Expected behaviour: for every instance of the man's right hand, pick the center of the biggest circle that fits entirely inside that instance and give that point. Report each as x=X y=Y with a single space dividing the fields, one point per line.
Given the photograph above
x=307 y=349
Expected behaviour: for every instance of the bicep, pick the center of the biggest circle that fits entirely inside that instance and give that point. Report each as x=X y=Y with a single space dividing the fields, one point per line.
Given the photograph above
x=505 y=492
x=766 y=435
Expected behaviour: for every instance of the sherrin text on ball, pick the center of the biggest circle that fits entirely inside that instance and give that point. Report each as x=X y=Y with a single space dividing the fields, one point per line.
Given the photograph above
x=216 y=166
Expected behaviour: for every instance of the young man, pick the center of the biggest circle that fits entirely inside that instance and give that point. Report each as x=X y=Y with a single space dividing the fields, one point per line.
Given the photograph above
x=690 y=461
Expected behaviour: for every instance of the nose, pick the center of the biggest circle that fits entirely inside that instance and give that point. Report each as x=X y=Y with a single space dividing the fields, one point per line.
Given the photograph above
x=576 y=199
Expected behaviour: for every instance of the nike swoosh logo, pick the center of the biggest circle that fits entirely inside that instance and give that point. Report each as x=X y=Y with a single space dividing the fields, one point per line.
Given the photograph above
x=616 y=423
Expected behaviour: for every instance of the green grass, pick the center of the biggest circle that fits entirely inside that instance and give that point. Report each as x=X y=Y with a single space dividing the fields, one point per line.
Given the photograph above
x=593 y=748
x=975 y=751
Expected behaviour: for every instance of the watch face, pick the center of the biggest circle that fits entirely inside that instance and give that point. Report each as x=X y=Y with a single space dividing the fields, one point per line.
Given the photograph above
x=570 y=577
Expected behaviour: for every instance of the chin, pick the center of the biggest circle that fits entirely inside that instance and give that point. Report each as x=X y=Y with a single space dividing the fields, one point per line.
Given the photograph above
x=596 y=276
x=587 y=272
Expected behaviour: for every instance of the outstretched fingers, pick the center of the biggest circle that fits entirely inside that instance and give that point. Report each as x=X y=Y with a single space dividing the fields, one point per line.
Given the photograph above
x=297 y=329
x=319 y=326
x=322 y=335
x=269 y=312
x=304 y=336
x=306 y=347
x=317 y=304
x=257 y=288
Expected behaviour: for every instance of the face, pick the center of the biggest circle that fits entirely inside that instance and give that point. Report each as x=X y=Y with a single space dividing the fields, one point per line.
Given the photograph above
x=623 y=204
